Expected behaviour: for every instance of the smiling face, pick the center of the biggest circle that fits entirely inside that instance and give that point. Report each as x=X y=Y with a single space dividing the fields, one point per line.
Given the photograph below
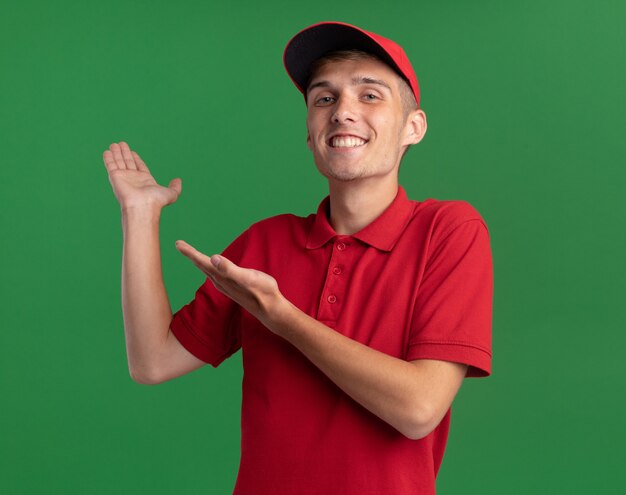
x=357 y=125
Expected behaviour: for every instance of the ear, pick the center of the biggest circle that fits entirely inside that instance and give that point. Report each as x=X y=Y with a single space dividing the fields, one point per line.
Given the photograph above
x=308 y=140
x=415 y=127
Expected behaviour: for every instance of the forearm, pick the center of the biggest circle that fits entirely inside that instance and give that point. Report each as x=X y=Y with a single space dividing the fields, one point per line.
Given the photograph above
x=145 y=305
x=393 y=389
x=411 y=396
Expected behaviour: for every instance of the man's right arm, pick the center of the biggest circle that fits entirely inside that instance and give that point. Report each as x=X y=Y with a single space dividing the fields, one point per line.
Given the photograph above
x=154 y=354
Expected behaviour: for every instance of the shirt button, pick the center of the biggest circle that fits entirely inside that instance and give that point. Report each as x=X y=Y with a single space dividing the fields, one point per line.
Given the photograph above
x=332 y=299
x=341 y=246
x=336 y=270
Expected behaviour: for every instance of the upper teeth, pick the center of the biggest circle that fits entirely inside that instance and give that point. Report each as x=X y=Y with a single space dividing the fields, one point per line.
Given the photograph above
x=346 y=141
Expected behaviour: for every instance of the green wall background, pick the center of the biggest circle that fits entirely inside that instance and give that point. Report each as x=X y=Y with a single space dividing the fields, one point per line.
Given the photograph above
x=526 y=109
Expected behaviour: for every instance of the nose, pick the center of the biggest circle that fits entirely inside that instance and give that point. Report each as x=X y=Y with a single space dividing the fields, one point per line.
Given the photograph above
x=344 y=111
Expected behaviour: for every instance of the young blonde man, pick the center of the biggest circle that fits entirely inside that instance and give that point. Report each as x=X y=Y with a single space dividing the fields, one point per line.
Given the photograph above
x=357 y=323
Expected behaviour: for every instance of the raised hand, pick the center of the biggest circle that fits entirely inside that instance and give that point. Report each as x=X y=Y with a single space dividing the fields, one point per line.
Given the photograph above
x=132 y=183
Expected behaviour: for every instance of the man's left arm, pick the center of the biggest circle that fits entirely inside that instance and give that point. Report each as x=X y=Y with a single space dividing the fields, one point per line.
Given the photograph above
x=411 y=396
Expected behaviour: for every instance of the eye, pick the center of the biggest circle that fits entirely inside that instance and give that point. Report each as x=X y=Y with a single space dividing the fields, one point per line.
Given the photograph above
x=371 y=97
x=324 y=100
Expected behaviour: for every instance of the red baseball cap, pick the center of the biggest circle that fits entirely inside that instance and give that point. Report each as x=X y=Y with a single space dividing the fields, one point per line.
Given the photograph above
x=314 y=41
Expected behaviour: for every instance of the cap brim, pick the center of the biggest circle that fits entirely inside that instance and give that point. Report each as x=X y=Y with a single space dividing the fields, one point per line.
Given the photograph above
x=315 y=41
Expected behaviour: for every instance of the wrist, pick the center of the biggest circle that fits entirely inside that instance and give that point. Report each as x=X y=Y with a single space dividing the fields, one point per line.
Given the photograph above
x=282 y=316
x=141 y=208
x=138 y=219
x=141 y=211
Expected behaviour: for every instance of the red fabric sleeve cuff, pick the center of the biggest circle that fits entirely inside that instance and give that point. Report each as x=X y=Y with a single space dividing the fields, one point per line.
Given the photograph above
x=194 y=344
x=478 y=359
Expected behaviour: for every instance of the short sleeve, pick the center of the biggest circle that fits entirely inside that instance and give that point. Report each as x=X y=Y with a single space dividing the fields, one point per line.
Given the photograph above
x=453 y=312
x=208 y=326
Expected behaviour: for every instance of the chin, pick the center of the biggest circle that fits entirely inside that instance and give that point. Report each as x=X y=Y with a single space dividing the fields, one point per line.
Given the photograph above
x=344 y=175
x=340 y=171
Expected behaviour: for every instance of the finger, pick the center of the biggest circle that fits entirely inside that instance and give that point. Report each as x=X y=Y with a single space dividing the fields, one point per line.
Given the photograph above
x=224 y=266
x=219 y=287
x=109 y=161
x=223 y=281
x=117 y=156
x=140 y=163
x=127 y=156
x=227 y=271
x=202 y=261
x=219 y=269
x=216 y=283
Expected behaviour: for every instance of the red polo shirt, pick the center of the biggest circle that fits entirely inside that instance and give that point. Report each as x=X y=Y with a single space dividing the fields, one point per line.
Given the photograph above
x=415 y=283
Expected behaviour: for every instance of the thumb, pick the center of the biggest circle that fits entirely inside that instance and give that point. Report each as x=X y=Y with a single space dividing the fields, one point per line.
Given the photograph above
x=176 y=186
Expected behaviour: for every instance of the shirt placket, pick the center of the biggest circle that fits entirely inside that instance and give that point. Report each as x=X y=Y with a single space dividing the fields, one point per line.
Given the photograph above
x=333 y=296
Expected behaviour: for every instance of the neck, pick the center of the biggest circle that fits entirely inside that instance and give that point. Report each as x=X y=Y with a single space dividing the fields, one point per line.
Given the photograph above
x=354 y=206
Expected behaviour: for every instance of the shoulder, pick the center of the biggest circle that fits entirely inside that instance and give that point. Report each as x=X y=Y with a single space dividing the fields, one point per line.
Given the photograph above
x=267 y=239
x=264 y=235
x=444 y=216
x=279 y=224
x=286 y=229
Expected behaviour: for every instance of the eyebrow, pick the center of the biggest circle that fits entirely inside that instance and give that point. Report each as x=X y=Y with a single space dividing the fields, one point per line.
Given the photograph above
x=358 y=80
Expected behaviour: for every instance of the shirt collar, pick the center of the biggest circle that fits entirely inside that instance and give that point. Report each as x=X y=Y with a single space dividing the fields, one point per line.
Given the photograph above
x=382 y=233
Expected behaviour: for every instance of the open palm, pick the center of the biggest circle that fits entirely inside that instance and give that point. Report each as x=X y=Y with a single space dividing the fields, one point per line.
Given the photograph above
x=132 y=182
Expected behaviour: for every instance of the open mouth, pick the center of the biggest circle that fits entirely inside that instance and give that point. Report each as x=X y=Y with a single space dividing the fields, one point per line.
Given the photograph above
x=346 y=141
